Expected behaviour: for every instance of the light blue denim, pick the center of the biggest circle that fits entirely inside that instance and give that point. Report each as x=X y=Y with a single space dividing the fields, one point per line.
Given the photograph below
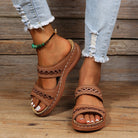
x=100 y=18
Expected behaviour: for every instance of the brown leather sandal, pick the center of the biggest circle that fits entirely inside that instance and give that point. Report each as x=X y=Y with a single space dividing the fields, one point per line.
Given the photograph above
x=50 y=97
x=80 y=109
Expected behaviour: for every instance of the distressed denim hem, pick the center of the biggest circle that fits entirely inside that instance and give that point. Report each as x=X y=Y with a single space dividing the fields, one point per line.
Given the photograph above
x=27 y=22
x=100 y=59
x=39 y=24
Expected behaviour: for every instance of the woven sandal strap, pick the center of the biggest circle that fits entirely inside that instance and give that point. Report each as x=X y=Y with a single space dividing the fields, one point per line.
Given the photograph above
x=55 y=70
x=43 y=95
x=88 y=90
x=87 y=109
x=49 y=72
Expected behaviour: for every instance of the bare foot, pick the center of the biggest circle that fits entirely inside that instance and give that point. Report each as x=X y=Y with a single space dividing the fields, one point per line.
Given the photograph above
x=89 y=75
x=56 y=49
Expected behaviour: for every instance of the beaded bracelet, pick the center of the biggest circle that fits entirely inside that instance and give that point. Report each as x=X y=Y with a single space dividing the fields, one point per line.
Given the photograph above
x=43 y=44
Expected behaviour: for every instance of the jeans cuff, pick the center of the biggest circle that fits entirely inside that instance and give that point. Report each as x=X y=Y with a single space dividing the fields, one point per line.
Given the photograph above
x=39 y=24
x=97 y=58
x=27 y=22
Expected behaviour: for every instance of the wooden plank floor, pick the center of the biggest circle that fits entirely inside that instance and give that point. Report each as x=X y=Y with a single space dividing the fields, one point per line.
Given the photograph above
x=18 y=121
x=18 y=72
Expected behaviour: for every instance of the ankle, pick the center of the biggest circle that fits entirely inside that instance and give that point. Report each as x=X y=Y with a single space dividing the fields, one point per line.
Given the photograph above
x=39 y=36
x=50 y=46
x=90 y=72
x=56 y=45
x=93 y=79
x=55 y=50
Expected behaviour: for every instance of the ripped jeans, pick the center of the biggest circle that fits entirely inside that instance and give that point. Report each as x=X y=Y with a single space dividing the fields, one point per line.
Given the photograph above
x=100 y=18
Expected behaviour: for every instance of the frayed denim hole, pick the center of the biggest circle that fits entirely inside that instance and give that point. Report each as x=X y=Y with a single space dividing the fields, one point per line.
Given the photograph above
x=24 y=19
x=92 y=47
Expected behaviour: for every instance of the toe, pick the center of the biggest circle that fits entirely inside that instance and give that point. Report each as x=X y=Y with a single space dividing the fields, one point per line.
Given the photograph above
x=87 y=118
x=80 y=119
x=92 y=119
x=38 y=108
x=41 y=107
x=35 y=102
x=33 y=99
x=97 y=118
x=32 y=103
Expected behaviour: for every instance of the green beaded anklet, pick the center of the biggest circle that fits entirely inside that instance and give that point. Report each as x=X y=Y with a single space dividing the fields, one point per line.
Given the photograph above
x=43 y=44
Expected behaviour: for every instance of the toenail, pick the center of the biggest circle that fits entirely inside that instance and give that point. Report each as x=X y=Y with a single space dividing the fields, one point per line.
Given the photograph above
x=32 y=103
x=88 y=121
x=92 y=121
x=81 y=118
x=97 y=120
x=38 y=108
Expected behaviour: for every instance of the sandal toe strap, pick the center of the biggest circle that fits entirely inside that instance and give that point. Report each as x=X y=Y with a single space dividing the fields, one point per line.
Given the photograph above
x=87 y=109
x=88 y=90
x=43 y=95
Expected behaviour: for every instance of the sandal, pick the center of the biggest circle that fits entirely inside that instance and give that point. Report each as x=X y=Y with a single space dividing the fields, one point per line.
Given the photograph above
x=80 y=109
x=50 y=97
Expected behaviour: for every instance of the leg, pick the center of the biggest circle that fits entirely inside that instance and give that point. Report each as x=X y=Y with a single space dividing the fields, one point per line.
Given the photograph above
x=99 y=23
x=37 y=18
x=55 y=51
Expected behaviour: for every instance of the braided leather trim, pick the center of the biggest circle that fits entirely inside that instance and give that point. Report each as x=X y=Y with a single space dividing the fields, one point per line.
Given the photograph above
x=42 y=94
x=89 y=108
x=46 y=72
x=88 y=91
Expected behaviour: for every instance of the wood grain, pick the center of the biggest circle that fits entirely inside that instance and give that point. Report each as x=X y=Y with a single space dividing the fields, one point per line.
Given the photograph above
x=73 y=9
x=23 y=67
x=117 y=47
x=17 y=119
x=13 y=28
